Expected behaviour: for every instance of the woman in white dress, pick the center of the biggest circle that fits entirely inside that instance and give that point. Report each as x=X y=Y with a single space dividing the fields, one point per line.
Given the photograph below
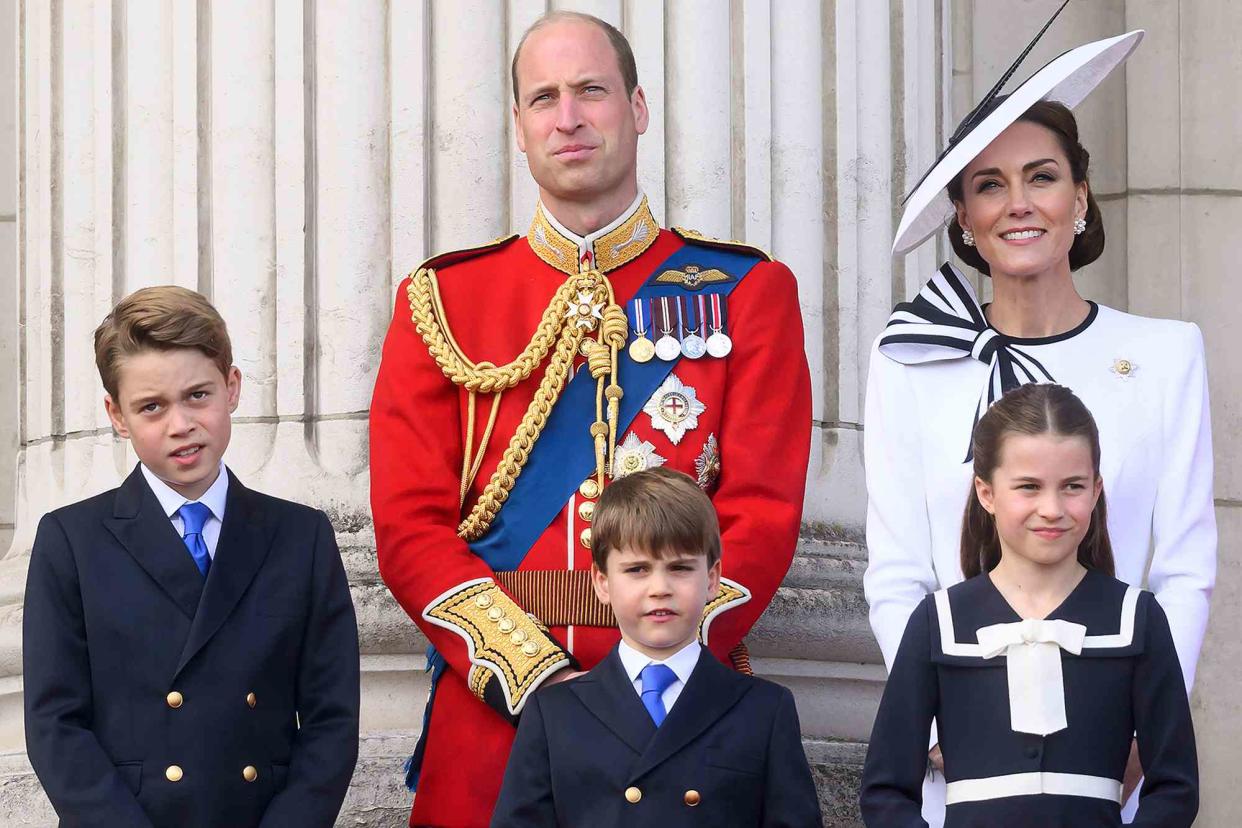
x=1021 y=210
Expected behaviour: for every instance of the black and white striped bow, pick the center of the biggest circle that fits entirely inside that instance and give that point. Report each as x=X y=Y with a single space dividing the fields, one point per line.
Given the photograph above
x=945 y=321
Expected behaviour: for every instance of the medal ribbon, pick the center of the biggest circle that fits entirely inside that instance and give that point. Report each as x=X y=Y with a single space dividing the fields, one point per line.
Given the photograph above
x=665 y=320
x=640 y=326
x=681 y=325
x=701 y=327
x=718 y=313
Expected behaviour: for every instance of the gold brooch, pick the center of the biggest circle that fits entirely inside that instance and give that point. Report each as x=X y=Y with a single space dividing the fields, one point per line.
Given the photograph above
x=1124 y=368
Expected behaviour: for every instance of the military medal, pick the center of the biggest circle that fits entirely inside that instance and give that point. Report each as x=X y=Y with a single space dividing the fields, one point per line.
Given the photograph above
x=707 y=464
x=667 y=347
x=641 y=349
x=718 y=344
x=674 y=409
x=634 y=455
x=692 y=345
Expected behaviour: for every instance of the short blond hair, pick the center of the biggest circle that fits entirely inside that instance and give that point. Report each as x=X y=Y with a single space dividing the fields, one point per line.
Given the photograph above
x=657 y=511
x=162 y=318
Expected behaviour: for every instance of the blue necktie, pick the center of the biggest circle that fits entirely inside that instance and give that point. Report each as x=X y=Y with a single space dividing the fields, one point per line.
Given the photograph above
x=656 y=679
x=193 y=516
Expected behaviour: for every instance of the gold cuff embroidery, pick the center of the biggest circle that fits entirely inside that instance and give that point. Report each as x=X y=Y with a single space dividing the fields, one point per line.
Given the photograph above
x=731 y=596
x=503 y=641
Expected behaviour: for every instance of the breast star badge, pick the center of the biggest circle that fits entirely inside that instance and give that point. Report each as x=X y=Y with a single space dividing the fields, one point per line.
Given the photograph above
x=674 y=409
x=1124 y=368
x=634 y=455
x=707 y=464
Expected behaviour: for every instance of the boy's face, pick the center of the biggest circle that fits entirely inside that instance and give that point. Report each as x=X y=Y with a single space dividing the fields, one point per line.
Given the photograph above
x=658 y=601
x=174 y=408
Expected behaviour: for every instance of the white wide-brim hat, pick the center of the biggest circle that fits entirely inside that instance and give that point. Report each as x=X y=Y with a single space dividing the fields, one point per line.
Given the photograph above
x=1067 y=79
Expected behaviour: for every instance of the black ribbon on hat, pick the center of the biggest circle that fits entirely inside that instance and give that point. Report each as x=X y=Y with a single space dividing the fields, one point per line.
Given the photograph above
x=945 y=321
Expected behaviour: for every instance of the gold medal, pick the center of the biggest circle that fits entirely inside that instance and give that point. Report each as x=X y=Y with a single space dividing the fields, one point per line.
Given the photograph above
x=642 y=349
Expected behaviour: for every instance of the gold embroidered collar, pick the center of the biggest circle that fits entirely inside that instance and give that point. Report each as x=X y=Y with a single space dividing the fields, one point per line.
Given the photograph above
x=618 y=243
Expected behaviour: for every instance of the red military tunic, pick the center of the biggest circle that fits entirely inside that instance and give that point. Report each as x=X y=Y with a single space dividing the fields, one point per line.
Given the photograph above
x=749 y=449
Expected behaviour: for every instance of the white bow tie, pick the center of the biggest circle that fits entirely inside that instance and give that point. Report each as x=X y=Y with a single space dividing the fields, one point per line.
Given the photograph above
x=1032 y=649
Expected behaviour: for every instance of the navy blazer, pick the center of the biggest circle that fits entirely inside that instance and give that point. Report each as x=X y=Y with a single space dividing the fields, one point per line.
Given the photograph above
x=155 y=698
x=729 y=753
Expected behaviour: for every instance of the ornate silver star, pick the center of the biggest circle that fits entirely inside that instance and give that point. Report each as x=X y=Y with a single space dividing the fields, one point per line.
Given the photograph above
x=674 y=409
x=634 y=455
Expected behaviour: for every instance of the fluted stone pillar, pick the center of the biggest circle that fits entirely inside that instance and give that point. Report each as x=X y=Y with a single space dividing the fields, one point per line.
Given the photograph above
x=294 y=159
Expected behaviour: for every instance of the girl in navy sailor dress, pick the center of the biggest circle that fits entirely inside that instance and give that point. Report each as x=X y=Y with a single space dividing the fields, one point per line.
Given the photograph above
x=1040 y=668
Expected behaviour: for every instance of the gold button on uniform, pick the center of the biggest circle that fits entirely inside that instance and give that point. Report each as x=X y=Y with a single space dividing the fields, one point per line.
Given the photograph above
x=506 y=625
x=251 y=700
x=586 y=510
x=692 y=798
x=495 y=613
x=483 y=601
x=530 y=648
x=250 y=773
x=632 y=795
x=174 y=699
x=173 y=773
x=589 y=488
x=585 y=537
x=518 y=636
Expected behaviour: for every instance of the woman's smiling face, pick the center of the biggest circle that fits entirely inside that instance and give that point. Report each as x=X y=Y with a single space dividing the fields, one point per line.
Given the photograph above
x=1020 y=201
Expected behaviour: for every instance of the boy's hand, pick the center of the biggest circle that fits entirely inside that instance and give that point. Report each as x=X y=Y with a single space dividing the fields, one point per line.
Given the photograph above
x=936 y=758
x=564 y=674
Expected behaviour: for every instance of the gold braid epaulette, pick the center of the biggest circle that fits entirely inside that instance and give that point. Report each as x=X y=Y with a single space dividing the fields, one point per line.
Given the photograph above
x=558 y=332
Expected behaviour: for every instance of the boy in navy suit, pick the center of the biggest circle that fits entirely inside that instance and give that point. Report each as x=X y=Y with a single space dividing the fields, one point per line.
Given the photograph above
x=189 y=645
x=660 y=732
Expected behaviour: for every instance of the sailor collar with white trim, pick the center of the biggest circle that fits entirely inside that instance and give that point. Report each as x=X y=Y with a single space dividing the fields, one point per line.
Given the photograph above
x=619 y=242
x=1114 y=613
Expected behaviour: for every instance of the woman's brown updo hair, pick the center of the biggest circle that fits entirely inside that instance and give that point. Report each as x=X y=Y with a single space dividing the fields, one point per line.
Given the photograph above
x=1059 y=120
x=1031 y=409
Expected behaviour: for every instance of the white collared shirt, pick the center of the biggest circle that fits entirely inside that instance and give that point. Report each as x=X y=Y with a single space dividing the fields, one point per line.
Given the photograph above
x=681 y=662
x=213 y=499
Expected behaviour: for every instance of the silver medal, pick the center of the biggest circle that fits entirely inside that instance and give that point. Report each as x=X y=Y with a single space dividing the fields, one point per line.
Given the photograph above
x=719 y=345
x=693 y=346
x=667 y=348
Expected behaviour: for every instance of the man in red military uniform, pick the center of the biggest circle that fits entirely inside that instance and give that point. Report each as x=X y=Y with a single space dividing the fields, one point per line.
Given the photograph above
x=521 y=376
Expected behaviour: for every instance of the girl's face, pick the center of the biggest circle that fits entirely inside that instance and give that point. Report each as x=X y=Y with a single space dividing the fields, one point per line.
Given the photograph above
x=1020 y=200
x=1042 y=495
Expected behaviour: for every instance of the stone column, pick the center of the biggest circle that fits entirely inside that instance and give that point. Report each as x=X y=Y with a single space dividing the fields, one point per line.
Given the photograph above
x=294 y=160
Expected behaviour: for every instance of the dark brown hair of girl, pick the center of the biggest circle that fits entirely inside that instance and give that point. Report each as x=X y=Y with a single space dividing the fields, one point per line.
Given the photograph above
x=1059 y=120
x=1032 y=409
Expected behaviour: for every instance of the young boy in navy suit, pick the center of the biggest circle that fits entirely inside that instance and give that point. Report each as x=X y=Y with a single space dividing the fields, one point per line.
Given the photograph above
x=189 y=645
x=660 y=732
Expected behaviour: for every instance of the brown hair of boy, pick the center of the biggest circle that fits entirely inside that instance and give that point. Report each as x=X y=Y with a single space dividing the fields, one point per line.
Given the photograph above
x=657 y=511
x=161 y=318
x=1032 y=409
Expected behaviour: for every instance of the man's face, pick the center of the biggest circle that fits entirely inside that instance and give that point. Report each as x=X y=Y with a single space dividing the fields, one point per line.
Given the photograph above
x=658 y=602
x=573 y=119
x=174 y=407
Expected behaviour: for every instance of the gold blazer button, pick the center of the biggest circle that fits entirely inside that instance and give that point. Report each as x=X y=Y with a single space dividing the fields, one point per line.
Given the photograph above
x=250 y=773
x=632 y=795
x=692 y=798
x=251 y=700
x=173 y=773
x=174 y=699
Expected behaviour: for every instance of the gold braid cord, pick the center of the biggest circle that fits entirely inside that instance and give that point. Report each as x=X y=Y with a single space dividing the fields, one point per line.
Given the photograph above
x=583 y=303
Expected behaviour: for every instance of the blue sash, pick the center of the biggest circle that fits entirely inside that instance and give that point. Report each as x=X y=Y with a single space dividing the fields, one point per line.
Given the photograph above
x=564 y=454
